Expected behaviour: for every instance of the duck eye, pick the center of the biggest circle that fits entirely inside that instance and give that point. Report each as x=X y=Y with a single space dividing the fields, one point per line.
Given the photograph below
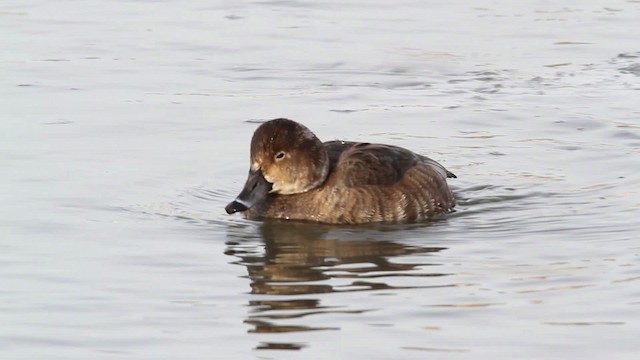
x=280 y=155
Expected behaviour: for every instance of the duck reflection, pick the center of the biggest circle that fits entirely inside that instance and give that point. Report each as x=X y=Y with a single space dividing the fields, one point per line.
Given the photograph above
x=306 y=259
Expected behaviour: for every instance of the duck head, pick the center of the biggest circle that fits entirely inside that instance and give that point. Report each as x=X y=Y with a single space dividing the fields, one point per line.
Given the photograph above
x=286 y=158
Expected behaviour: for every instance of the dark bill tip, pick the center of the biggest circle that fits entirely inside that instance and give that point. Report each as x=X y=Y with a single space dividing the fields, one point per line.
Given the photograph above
x=255 y=190
x=234 y=207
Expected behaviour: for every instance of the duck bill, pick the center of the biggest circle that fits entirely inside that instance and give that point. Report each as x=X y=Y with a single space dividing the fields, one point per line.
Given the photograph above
x=255 y=190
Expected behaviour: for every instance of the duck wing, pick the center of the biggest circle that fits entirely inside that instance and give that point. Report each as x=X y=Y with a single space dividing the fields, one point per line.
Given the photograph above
x=357 y=164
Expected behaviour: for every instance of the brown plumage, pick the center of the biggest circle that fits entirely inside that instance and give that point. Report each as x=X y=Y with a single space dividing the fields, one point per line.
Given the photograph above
x=297 y=177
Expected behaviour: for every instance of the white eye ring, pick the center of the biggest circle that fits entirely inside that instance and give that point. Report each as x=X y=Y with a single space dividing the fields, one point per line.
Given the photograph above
x=280 y=155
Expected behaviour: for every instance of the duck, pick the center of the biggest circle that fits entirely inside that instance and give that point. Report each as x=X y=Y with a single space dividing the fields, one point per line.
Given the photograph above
x=295 y=176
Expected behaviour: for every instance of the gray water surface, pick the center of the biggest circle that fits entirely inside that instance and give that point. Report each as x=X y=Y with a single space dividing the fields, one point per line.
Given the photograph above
x=125 y=129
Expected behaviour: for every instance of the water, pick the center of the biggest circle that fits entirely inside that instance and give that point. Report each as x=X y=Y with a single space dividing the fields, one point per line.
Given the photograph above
x=125 y=131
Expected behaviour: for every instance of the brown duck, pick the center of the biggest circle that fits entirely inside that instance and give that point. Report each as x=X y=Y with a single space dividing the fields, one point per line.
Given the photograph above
x=295 y=176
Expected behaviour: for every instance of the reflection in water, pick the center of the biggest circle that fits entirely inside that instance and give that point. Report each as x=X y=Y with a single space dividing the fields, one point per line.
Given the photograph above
x=279 y=346
x=303 y=259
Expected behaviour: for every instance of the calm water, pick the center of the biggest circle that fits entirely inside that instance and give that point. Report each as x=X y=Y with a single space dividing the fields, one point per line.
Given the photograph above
x=125 y=128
